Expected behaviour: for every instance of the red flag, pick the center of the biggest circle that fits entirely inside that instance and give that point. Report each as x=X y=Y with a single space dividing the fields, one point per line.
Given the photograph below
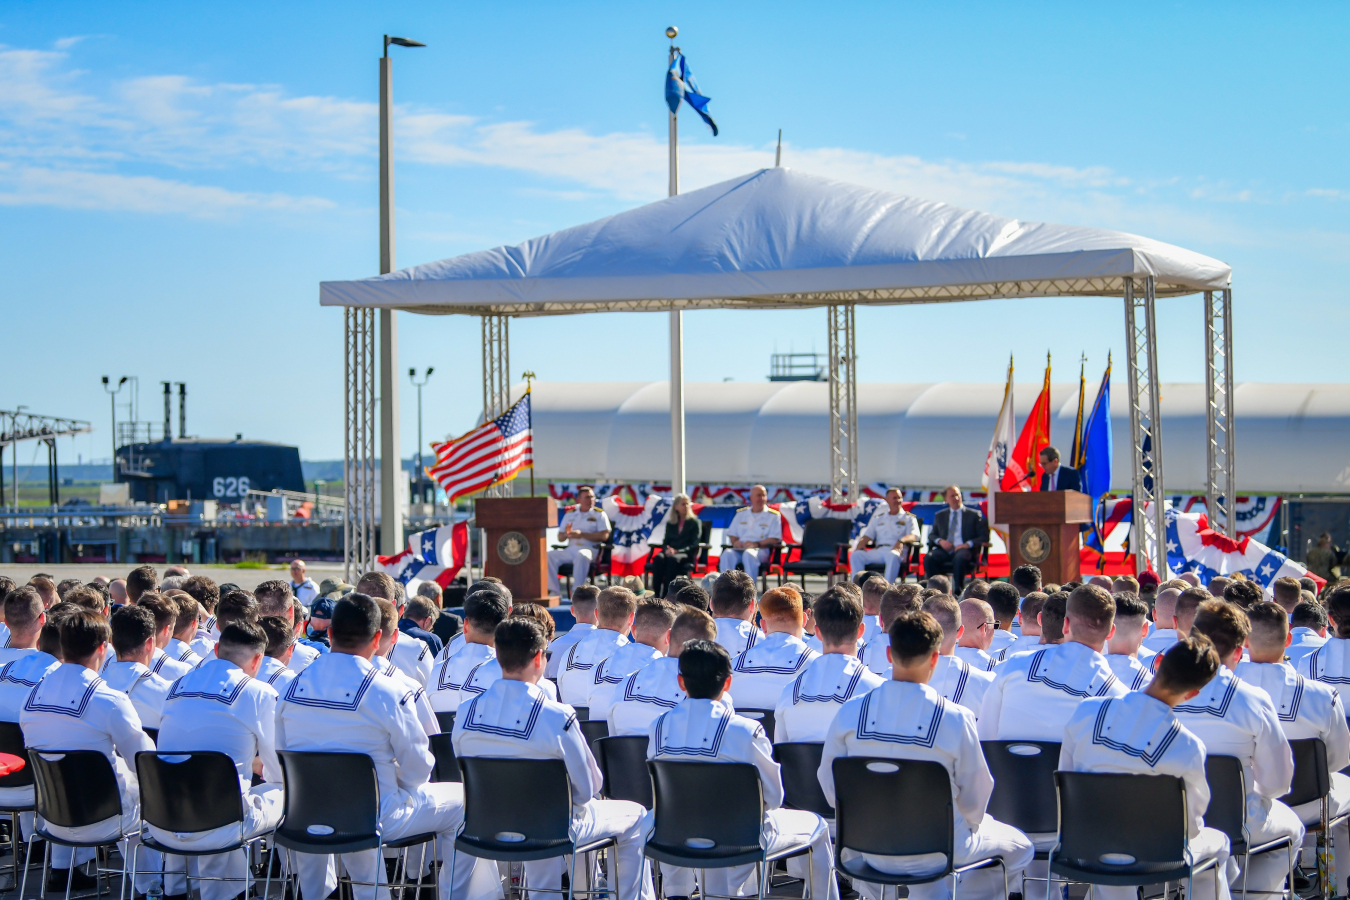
x=1024 y=463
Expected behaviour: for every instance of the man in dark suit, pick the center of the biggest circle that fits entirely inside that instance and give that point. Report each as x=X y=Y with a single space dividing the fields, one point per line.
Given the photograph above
x=1057 y=477
x=954 y=541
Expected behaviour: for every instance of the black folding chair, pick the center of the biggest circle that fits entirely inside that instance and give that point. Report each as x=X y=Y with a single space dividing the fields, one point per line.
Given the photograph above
x=583 y=713
x=447 y=721
x=186 y=793
x=593 y=730
x=824 y=549
x=1024 y=788
x=868 y=794
x=1142 y=841
x=152 y=734
x=1312 y=782
x=11 y=742
x=1227 y=812
x=763 y=716
x=446 y=768
x=623 y=763
x=711 y=816
x=318 y=819
x=72 y=789
x=518 y=810
x=800 y=762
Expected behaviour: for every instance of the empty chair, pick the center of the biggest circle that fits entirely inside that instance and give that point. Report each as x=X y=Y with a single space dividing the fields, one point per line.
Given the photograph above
x=801 y=785
x=1227 y=811
x=623 y=763
x=824 y=549
x=763 y=716
x=73 y=789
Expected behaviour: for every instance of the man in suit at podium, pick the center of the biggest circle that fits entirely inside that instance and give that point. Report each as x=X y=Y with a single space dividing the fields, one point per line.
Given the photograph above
x=954 y=541
x=1057 y=477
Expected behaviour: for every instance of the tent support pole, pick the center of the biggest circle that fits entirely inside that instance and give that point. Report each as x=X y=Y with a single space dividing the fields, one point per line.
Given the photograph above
x=843 y=403
x=358 y=459
x=1220 y=442
x=1148 y=534
x=496 y=379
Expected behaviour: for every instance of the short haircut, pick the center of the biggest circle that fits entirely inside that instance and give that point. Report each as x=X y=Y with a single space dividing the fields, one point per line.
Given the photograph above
x=1287 y=591
x=485 y=610
x=873 y=589
x=280 y=634
x=654 y=615
x=49 y=639
x=692 y=625
x=518 y=639
x=853 y=590
x=88 y=598
x=7 y=584
x=675 y=584
x=22 y=608
x=1126 y=582
x=1190 y=601
x=914 y=636
x=1269 y=625
x=420 y=607
x=732 y=594
x=1308 y=584
x=164 y=608
x=1305 y=615
x=241 y=641
x=1003 y=597
x=1337 y=602
x=1049 y=453
x=188 y=611
x=66 y=585
x=1243 y=593
x=1026 y=579
x=975 y=590
x=692 y=595
x=131 y=627
x=1129 y=606
x=377 y=584
x=583 y=594
x=83 y=631
x=204 y=591
x=898 y=600
x=780 y=603
x=430 y=590
x=141 y=580
x=705 y=667
x=614 y=605
x=539 y=614
x=1032 y=604
x=837 y=617
x=388 y=618
x=45 y=587
x=236 y=606
x=1224 y=623
x=941 y=583
x=1052 y=616
x=1165 y=605
x=274 y=598
x=946 y=612
x=1189 y=664
x=356 y=620
x=1093 y=610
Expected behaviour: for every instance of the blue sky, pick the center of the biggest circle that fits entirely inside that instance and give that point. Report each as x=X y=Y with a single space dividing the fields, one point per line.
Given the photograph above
x=175 y=180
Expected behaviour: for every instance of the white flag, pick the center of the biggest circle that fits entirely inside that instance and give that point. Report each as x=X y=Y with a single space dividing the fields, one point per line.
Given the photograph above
x=996 y=463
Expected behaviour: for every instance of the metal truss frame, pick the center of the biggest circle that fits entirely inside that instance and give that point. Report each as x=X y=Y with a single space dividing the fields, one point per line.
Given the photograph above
x=358 y=462
x=1149 y=532
x=843 y=403
x=1220 y=441
x=24 y=426
x=496 y=379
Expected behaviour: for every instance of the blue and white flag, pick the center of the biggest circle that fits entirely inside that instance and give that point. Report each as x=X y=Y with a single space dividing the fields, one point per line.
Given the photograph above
x=680 y=85
x=1192 y=546
x=1097 y=447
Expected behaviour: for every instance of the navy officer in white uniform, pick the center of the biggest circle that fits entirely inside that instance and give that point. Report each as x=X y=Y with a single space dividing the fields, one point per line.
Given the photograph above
x=733 y=608
x=584 y=598
x=583 y=528
x=616 y=607
x=764 y=670
x=954 y=678
x=483 y=612
x=886 y=538
x=753 y=533
x=133 y=640
x=655 y=688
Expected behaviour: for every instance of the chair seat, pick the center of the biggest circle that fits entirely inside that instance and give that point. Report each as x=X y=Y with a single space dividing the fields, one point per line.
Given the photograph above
x=148 y=841
x=720 y=857
x=1125 y=876
x=425 y=837
x=323 y=844
x=527 y=850
x=809 y=566
x=65 y=842
x=859 y=868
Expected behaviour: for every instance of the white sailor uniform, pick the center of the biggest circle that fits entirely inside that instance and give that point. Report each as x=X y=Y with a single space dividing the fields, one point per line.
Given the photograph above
x=748 y=525
x=904 y=720
x=204 y=644
x=275 y=672
x=182 y=652
x=557 y=651
x=18 y=677
x=1310 y=709
x=1329 y=663
x=1236 y=719
x=977 y=659
x=710 y=731
x=808 y=705
x=1023 y=644
x=1136 y=734
x=342 y=704
x=449 y=676
x=484 y=675
x=516 y=720
x=1133 y=673
x=579 y=551
x=147 y=691
x=576 y=674
x=1034 y=694
x=885 y=529
x=162 y=664
x=302 y=657
x=759 y=675
x=421 y=702
x=413 y=657
x=961 y=683
x=645 y=696
x=1001 y=641
x=1160 y=640
x=610 y=673
x=1304 y=641
x=736 y=635
x=219 y=707
x=872 y=629
x=873 y=655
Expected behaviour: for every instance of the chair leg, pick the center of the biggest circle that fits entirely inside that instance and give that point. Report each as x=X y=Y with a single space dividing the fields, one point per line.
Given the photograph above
x=808 y=889
x=1246 y=867
x=27 y=864
x=135 y=849
x=761 y=869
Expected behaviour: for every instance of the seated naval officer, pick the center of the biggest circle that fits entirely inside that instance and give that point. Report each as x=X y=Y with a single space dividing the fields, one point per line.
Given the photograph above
x=615 y=608
x=280 y=643
x=655 y=688
x=1029 y=624
x=584 y=598
x=895 y=600
x=977 y=634
x=954 y=678
x=1004 y=600
x=515 y=719
x=703 y=724
x=1308 y=627
x=483 y=612
x=166 y=619
x=179 y=646
x=872 y=587
x=1138 y=733
x=1234 y=718
x=341 y=704
x=651 y=641
x=764 y=670
x=753 y=533
x=1034 y=694
x=1330 y=663
x=133 y=640
x=886 y=538
x=732 y=604
x=1125 y=652
x=1307 y=709
x=389 y=634
x=275 y=599
x=34 y=650
x=583 y=528
x=905 y=718
x=456 y=643
x=207 y=594
x=413 y=657
x=223 y=706
x=808 y=705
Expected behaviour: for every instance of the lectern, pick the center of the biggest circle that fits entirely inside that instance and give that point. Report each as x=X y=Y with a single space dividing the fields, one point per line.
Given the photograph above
x=1043 y=530
x=517 y=546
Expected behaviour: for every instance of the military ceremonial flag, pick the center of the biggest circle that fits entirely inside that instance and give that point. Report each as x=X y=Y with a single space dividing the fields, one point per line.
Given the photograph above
x=1095 y=467
x=1024 y=466
x=996 y=462
x=491 y=454
x=680 y=85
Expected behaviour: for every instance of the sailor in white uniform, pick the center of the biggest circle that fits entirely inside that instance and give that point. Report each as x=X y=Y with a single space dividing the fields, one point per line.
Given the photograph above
x=655 y=688
x=280 y=642
x=896 y=600
x=25 y=664
x=583 y=528
x=905 y=718
x=342 y=704
x=614 y=617
x=954 y=678
x=456 y=643
x=515 y=719
x=1309 y=631
x=276 y=599
x=1028 y=626
x=1132 y=664
x=133 y=639
x=204 y=639
x=809 y=703
x=1164 y=633
x=222 y=706
x=583 y=610
x=1307 y=709
x=1236 y=719
x=383 y=661
x=412 y=656
x=885 y=539
x=1139 y=734
x=165 y=610
x=1034 y=694
x=1330 y=663
x=872 y=588
x=1003 y=599
x=651 y=641
x=483 y=612
x=762 y=672
x=179 y=646
x=977 y=633
x=704 y=729
x=753 y=533
x=733 y=607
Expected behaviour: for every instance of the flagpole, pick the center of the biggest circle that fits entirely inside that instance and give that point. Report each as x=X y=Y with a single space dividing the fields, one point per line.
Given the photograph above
x=529 y=385
x=677 y=485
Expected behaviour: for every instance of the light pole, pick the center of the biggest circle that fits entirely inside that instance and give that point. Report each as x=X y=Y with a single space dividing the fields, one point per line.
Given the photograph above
x=112 y=398
x=412 y=374
x=14 y=463
x=391 y=462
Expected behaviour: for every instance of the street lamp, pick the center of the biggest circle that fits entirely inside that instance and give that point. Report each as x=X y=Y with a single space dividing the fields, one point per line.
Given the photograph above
x=112 y=397
x=412 y=374
x=14 y=463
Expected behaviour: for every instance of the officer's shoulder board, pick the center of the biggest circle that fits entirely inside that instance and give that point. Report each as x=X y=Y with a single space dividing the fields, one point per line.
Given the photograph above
x=772 y=510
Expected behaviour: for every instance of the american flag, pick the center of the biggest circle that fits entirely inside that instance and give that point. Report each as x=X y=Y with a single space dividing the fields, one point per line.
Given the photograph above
x=492 y=453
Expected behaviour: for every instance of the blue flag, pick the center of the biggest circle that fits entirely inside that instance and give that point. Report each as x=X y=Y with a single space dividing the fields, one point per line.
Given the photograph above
x=1096 y=444
x=680 y=85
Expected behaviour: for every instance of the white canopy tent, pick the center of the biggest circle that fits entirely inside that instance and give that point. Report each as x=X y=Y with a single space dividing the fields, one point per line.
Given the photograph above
x=778 y=238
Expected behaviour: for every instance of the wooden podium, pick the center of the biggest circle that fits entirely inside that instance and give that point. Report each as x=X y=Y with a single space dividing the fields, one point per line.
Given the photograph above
x=1043 y=530
x=517 y=547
